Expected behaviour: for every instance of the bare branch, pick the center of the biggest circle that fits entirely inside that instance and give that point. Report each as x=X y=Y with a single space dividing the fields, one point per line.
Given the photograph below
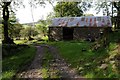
x=115 y=5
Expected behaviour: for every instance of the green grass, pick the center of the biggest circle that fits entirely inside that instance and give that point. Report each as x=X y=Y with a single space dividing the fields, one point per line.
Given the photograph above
x=88 y=62
x=20 y=41
x=72 y=51
x=45 y=73
x=114 y=36
x=45 y=38
x=14 y=63
x=47 y=58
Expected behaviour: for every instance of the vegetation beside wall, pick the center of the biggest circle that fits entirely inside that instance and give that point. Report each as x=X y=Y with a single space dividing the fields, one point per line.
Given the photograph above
x=100 y=63
x=90 y=64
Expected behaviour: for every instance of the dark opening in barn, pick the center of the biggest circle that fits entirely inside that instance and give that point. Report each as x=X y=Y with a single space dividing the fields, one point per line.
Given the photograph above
x=68 y=33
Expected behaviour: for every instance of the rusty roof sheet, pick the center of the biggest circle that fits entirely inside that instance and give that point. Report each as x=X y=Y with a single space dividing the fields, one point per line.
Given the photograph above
x=84 y=21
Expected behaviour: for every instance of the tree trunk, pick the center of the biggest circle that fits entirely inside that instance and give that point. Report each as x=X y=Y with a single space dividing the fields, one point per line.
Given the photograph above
x=118 y=22
x=7 y=39
x=118 y=13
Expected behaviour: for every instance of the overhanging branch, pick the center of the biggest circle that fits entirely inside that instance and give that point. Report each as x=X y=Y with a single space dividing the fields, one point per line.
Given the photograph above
x=117 y=7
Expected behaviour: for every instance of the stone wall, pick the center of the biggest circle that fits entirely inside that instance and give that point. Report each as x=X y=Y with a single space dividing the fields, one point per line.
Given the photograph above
x=55 y=33
x=86 y=32
x=79 y=33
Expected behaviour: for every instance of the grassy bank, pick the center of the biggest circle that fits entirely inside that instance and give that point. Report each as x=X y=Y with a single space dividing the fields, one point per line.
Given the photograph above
x=12 y=64
x=90 y=64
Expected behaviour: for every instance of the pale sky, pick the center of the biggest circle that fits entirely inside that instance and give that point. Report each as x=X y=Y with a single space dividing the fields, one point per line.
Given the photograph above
x=25 y=16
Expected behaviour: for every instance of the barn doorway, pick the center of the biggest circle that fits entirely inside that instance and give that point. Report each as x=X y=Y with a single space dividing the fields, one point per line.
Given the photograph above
x=68 y=33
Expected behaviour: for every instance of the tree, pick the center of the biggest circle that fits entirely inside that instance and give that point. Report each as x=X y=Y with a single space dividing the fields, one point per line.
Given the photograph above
x=26 y=32
x=1 y=31
x=42 y=27
x=49 y=18
x=5 y=12
x=7 y=39
x=5 y=9
x=14 y=31
x=14 y=27
x=71 y=9
x=105 y=6
x=85 y=5
x=117 y=6
x=88 y=15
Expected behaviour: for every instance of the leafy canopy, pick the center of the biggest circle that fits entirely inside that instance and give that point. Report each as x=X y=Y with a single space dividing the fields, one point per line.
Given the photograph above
x=71 y=9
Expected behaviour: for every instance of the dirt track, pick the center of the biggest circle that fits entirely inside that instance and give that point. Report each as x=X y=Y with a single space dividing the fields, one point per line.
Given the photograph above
x=57 y=64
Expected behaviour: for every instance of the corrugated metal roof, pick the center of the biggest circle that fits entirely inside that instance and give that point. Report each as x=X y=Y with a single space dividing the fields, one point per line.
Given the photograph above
x=87 y=21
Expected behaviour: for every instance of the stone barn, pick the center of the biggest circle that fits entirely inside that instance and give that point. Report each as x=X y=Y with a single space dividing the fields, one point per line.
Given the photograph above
x=79 y=28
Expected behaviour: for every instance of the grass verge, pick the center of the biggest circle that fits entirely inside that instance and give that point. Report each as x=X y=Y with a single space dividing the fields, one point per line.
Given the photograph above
x=47 y=72
x=90 y=64
x=15 y=62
